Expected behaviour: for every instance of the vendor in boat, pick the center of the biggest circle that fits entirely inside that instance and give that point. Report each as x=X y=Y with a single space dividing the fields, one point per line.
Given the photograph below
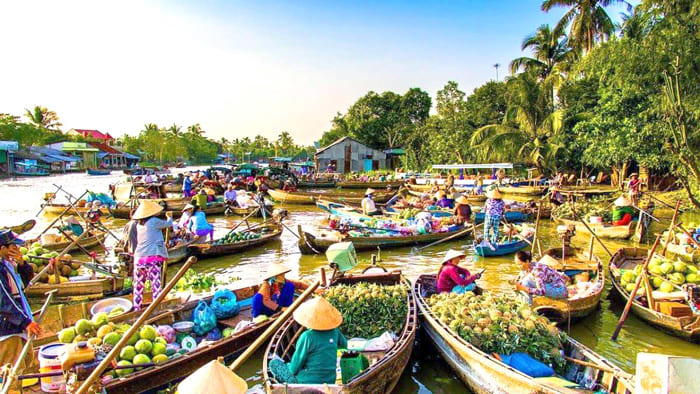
x=200 y=199
x=150 y=251
x=183 y=224
x=462 y=211
x=479 y=185
x=623 y=212
x=555 y=196
x=16 y=319
x=276 y=291
x=316 y=351
x=494 y=210
x=452 y=277
x=95 y=213
x=435 y=188
x=230 y=195
x=538 y=278
x=72 y=226
x=368 y=206
x=633 y=187
x=289 y=186
x=198 y=224
x=443 y=201
x=187 y=186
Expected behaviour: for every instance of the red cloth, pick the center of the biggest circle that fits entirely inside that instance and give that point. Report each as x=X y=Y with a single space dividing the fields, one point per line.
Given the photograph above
x=451 y=276
x=624 y=221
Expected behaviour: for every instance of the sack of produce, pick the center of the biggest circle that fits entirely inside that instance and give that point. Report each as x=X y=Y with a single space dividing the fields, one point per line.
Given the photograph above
x=224 y=304
x=204 y=319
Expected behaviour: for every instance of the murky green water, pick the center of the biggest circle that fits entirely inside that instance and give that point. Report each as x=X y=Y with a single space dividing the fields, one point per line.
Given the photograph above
x=20 y=200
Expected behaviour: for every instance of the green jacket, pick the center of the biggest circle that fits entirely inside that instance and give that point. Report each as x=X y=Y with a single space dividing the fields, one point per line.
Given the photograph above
x=315 y=357
x=200 y=200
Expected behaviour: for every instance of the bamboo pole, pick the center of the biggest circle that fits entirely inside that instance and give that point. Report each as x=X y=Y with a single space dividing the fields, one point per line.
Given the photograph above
x=273 y=327
x=537 y=226
x=590 y=230
x=633 y=294
x=680 y=226
x=87 y=384
x=671 y=227
x=58 y=218
x=451 y=237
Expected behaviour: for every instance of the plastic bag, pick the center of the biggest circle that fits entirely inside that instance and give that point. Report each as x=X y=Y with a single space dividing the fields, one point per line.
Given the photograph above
x=527 y=365
x=224 y=304
x=204 y=319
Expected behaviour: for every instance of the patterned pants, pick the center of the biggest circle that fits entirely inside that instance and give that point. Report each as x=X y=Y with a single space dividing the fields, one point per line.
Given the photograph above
x=147 y=268
x=491 y=225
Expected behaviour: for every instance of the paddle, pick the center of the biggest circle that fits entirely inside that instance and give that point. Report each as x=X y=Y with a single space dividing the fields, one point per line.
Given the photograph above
x=87 y=384
x=590 y=230
x=273 y=327
x=633 y=294
x=537 y=226
x=27 y=346
x=58 y=218
x=451 y=237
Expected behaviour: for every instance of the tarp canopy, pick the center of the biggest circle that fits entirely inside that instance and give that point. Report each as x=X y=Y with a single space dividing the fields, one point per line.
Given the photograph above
x=471 y=166
x=303 y=164
x=395 y=151
x=282 y=159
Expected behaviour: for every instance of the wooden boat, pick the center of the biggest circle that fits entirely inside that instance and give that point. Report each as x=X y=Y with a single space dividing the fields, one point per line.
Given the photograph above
x=511 y=216
x=86 y=242
x=311 y=197
x=603 y=230
x=320 y=184
x=167 y=187
x=687 y=327
x=417 y=192
x=267 y=231
x=686 y=253
x=574 y=308
x=503 y=249
x=310 y=244
x=483 y=373
x=93 y=288
x=93 y=171
x=365 y=185
x=213 y=208
x=58 y=208
x=176 y=254
x=23 y=228
x=385 y=368
x=523 y=190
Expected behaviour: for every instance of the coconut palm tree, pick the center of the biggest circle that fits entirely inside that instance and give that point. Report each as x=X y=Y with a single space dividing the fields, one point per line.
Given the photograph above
x=529 y=125
x=636 y=24
x=549 y=50
x=588 y=19
x=43 y=118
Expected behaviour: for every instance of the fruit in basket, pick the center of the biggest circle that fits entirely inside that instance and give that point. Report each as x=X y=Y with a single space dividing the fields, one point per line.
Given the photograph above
x=111 y=339
x=83 y=326
x=127 y=353
x=103 y=331
x=666 y=287
x=666 y=267
x=100 y=319
x=124 y=372
x=680 y=267
x=67 y=335
x=160 y=358
x=158 y=348
x=148 y=332
x=143 y=346
x=141 y=359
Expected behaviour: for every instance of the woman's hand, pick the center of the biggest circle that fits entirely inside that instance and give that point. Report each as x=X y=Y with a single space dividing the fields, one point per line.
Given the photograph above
x=34 y=328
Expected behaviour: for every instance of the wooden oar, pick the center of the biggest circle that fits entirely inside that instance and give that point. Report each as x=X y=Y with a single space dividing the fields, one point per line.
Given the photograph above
x=633 y=294
x=273 y=327
x=87 y=384
x=671 y=227
x=58 y=218
x=451 y=237
x=590 y=230
x=27 y=346
x=662 y=202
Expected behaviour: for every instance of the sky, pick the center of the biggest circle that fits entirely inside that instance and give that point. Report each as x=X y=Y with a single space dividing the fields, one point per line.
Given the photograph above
x=242 y=68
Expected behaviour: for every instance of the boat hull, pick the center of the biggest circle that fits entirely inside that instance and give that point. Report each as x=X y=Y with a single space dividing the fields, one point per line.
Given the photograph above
x=523 y=190
x=306 y=198
x=87 y=243
x=510 y=216
x=366 y=185
x=95 y=288
x=602 y=231
x=502 y=249
x=208 y=250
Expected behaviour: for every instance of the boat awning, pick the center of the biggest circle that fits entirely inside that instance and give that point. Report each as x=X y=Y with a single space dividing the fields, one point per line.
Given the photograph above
x=395 y=151
x=130 y=156
x=303 y=164
x=471 y=166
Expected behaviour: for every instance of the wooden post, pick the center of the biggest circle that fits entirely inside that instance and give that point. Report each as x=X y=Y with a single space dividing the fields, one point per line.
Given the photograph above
x=590 y=249
x=633 y=294
x=537 y=226
x=590 y=230
x=671 y=227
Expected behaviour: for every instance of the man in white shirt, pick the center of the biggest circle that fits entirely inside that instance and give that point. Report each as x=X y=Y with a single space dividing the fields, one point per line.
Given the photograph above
x=230 y=194
x=368 y=206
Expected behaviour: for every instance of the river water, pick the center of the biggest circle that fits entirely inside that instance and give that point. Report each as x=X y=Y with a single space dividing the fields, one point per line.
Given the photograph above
x=20 y=200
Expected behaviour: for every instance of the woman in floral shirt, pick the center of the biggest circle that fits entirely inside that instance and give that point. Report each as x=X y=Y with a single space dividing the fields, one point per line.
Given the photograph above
x=539 y=279
x=494 y=210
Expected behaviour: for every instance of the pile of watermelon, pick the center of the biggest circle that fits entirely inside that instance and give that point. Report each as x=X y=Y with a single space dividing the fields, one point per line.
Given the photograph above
x=236 y=237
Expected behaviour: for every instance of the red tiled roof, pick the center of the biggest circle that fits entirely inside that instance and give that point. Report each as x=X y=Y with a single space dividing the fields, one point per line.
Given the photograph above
x=105 y=148
x=96 y=134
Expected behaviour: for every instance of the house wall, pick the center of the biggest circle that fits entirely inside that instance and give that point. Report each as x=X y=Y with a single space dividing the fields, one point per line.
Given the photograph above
x=358 y=155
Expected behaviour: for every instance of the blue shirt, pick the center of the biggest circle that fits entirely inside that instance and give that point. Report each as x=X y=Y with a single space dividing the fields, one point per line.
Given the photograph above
x=15 y=313
x=187 y=184
x=198 y=221
x=230 y=195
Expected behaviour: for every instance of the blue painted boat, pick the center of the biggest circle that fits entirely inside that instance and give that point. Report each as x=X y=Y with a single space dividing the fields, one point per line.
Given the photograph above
x=511 y=216
x=503 y=249
x=91 y=171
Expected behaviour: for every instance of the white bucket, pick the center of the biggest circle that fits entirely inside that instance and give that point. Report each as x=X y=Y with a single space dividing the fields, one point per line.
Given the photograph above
x=596 y=219
x=48 y=362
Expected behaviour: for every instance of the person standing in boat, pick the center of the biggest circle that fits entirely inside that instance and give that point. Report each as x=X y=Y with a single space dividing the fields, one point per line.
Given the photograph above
x=462 y=211
x=15 y=314
x=315 y=355
x=198 y=224
x=150 y=251
x=479 y=185
x=187 y=186
x=276 y=291
x=539 y=279
x=555 y=196
x=369 y=208
x=452 y=277
x=633 y=188
x=494 y=210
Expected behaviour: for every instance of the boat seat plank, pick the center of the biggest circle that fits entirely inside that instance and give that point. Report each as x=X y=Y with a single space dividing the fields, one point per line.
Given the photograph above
x=244 y=314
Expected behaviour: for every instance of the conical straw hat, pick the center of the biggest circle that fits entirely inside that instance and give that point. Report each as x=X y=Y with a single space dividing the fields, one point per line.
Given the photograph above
x=147 y=209
x=370 y=191
x=493 y=193
x=462 y=200
x=451 y=254
x=318 y=314
x=276 y=269
x=213 y=378
x=622 y=201
x=440 y=194
x=549 y=261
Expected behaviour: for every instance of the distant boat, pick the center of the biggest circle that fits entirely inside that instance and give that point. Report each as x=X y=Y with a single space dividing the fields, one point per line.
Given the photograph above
x=91 y=171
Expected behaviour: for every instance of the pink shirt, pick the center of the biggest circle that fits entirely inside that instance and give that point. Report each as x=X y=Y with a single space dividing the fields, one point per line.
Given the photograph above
x=451 y=276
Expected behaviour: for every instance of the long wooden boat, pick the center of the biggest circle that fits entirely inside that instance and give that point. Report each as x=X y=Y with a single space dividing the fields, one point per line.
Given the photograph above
x=168 y=187
x=686 y=253
x=523 y=190
x=92 y=171
x=267 y=232
x=511 y=216
x=92 y=288
x=23 y=228
x=87 y=242
x=176 y=254
x=485 y=374
x=574 y=308
x=365 y=185
x=413 y=191
x=310 y=244
x=386 y=367
x=687 y=327
x=603 y=230
x=316 y=184
x=58 y=208
x=309 y=198
x=213 y=208
x=502 y=249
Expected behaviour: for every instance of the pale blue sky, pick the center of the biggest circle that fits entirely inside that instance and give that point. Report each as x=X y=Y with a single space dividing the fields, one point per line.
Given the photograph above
x=245 y=68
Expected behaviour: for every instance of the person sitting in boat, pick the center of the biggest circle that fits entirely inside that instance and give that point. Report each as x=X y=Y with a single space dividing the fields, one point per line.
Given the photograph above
x=289 y=186
x=424 y=221
x=435 y=188
x=369 y=208
x=538 y=278
x=230 y=195
x=95 y=213
x=453 y=278
x=200 y=199
x=316 y=350
x=276 y=291
x=443 y=201
x=16 y=319
x=211 y=194
x=623 y=212
x=462 y=211
x=555 y=196
x=72 y=226
x=412 y=180
x=479 y=185
x=494 y=210
x=183 y=224
x=148 y=178
x=198 y=224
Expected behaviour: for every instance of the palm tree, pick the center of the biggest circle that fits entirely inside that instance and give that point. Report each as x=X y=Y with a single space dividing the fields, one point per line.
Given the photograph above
x=549 y=50
x=43 y=118
x=636 y=24
x=588 y=19
x=529 y=125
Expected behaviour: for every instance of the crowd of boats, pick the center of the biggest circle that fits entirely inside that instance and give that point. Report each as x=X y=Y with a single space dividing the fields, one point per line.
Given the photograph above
x=408 y=216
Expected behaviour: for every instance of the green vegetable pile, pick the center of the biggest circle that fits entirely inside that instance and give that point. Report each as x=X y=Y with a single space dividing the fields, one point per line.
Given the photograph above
x=583 y=209
x=197 y=282
x=500 y=324
x=664 y=274
x=409 y=213
x=237 y=236
x=369 y=309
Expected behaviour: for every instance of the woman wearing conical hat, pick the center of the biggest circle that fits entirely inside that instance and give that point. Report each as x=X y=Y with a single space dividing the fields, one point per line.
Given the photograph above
x=462 y=211
x=276 y=292
x=150 y=251
x=452 y=277
x=314 y=358
x=494 y=210
x=623 y=212
x=368 y=206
